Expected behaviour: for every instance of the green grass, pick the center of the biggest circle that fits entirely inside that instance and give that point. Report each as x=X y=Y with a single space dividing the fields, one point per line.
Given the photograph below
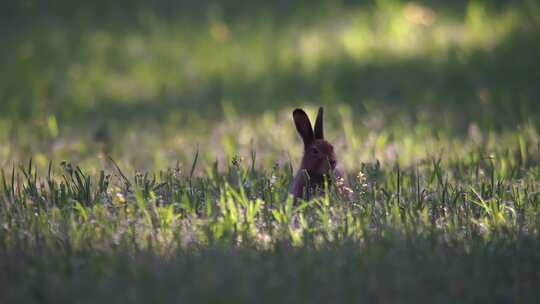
x=432 y=232
x=146 y=153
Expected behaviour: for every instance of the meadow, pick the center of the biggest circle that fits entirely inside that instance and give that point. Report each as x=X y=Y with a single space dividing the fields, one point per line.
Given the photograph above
x=147 y=149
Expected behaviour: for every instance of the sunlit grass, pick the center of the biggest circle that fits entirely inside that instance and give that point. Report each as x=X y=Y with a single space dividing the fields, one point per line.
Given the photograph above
x=150 y=160
x=195 y=222
x=140 y=65
x=156 y=60
x=273 y=137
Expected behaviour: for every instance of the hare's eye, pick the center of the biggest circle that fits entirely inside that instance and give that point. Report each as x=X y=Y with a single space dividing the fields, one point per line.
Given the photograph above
x=314 y=150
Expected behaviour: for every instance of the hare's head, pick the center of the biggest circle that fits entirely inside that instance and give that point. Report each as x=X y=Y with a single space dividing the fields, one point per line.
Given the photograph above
x=319 y=158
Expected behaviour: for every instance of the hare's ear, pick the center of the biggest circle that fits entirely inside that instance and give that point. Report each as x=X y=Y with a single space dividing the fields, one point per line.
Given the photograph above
x=303 y=125
x=319 y=134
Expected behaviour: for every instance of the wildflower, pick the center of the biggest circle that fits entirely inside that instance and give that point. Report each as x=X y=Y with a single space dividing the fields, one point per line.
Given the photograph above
x=119 y=198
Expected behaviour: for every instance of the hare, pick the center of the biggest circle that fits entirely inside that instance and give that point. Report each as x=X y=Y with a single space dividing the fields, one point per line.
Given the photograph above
x=319 y=160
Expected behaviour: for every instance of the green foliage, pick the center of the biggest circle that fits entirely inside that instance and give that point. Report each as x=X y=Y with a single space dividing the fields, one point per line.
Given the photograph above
x=430 y=220
x=147 y=149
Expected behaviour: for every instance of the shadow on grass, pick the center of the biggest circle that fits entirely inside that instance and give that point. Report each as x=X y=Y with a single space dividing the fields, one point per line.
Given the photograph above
x=102 y=13
x=495 y=87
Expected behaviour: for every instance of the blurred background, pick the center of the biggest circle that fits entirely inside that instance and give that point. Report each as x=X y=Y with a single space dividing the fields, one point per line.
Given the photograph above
x=152 y=82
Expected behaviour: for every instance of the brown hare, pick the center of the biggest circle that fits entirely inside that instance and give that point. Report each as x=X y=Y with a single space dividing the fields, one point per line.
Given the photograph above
x=319 y=160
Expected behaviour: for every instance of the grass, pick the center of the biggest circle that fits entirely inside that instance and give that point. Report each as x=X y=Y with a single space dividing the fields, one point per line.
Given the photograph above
x=146 y=153
x=464 y=232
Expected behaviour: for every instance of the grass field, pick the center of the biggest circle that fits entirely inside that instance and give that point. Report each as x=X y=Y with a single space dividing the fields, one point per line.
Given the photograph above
x=146 y=151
